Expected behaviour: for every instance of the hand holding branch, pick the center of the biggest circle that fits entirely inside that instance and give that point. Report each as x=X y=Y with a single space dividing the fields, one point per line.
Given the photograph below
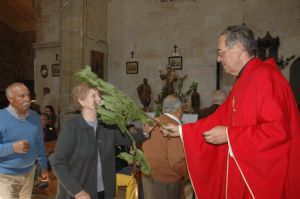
x=147 y=128
x=170 y=130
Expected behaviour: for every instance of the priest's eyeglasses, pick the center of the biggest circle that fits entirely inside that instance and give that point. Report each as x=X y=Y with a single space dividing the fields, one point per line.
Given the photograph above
x=220 y=52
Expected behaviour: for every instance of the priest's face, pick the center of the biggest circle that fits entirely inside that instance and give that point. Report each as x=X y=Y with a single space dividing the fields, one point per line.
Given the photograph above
x=229 y=56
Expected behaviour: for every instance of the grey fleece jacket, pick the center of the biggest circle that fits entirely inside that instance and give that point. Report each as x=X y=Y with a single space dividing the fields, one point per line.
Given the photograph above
x=75 y=157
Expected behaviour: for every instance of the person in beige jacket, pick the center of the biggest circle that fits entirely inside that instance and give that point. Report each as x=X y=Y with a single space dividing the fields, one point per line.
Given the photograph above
x=166 y=156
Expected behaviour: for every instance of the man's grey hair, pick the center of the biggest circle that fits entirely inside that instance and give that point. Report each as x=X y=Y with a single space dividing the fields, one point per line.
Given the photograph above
x=171 y=103
x=9 y=89
x=242 y=34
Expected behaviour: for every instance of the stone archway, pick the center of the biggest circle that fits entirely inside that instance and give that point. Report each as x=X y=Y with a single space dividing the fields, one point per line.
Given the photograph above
x=295 y=79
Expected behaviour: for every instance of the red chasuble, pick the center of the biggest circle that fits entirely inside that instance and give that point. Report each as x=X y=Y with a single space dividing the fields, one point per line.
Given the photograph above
x=263 y=134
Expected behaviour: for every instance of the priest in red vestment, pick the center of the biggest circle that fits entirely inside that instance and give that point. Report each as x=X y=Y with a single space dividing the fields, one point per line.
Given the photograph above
x=249 y=148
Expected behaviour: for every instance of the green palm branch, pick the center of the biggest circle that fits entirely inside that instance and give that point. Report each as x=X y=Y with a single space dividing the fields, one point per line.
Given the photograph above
x=116 y=108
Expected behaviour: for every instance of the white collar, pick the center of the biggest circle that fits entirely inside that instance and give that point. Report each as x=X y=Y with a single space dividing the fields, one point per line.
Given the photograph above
x=13 y=111
x=173 y=117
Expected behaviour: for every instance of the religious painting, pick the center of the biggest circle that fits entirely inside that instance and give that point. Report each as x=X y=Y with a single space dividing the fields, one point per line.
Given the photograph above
x=132 y=67
x=55 y=69
x=175 y=62
x=97 y=63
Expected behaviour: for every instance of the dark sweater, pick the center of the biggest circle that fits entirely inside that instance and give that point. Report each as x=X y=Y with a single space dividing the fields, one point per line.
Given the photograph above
x=75 y=158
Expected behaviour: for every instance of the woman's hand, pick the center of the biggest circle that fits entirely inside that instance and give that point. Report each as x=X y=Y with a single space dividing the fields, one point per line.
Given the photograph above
x=82 y=195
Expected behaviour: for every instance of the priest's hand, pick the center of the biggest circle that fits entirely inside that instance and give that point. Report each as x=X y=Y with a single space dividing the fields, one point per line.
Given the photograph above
x=216 y=135
x=170 y=130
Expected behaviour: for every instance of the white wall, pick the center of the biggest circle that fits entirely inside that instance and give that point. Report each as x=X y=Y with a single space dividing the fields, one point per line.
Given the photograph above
x=151 y=29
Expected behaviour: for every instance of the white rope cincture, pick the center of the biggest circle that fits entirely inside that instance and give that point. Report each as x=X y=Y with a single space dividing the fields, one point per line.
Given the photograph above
x=232 y=155
x=227 y=168
x=187 y=163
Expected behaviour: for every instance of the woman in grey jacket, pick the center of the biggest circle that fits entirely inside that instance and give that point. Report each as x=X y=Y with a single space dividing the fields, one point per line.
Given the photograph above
x=84 y=158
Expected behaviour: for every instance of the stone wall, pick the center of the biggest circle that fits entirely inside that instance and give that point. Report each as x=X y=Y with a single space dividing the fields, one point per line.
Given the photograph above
x=71 y=30
x=151 y=29
x=47 y=46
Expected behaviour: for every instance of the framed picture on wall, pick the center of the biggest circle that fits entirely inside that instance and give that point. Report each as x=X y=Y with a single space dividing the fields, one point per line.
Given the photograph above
x=55 y=69
x=175 y=62
x=132 y=67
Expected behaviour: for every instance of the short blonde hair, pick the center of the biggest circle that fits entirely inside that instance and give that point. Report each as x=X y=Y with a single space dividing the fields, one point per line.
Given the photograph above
x=79 y=93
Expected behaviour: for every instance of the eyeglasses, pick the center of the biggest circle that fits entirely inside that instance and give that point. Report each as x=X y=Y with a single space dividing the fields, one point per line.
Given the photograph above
x=220 y=52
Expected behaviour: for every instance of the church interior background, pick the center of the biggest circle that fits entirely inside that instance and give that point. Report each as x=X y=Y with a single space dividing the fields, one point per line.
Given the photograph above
x=44 y=42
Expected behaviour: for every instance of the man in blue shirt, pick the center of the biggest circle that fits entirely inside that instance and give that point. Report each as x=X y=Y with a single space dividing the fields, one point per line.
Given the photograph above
x=21 y=144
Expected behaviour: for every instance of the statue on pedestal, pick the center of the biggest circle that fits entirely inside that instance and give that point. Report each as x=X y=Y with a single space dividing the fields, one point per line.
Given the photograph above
x=170 y=78
x=174 y=85
x=195 y=99
x=144 y=92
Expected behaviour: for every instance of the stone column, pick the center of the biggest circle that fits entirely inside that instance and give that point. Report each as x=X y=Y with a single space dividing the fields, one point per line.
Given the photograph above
x=47 y=48
x=72 y=51
x=79 y=27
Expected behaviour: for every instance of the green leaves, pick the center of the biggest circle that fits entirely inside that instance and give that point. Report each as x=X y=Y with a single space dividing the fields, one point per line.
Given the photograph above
x=116 y=108
x=193 y=86
x=138 y=158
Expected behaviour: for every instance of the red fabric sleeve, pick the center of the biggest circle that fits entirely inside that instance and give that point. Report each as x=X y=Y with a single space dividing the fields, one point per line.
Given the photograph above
x=202 y=158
